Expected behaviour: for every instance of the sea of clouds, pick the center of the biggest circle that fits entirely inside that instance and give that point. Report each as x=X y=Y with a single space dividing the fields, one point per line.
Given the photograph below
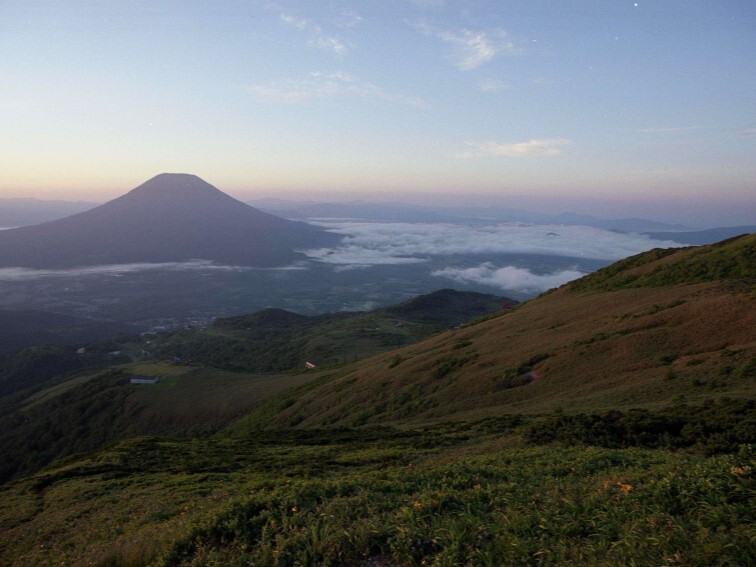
x=368 y=244
x=509 y=277
x=397 y=243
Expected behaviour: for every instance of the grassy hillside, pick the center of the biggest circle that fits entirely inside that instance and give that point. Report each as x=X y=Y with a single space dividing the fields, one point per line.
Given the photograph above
x=271 y=340
x=464 y=494
x=62 y=402
x=730 y=260
x=274 y=340
x=91 y=410
x=591 y=345
x=29 y=368
x=609 y=422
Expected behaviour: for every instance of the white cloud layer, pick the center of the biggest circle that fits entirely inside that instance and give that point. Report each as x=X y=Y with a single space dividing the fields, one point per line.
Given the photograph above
x=543 y=147
x=402 y=243
x=21 y=274
x=509 y=277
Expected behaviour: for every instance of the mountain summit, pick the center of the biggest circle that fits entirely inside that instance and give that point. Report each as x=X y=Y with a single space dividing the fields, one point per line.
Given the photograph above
x=172 y=217
x=175 y=186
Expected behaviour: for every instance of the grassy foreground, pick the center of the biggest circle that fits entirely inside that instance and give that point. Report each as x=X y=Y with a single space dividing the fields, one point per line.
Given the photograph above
x=457 y=494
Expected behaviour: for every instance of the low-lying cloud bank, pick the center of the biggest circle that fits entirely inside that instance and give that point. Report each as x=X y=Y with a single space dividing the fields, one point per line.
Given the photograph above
x=509 y=277
x=19 y=274
x=367 y=244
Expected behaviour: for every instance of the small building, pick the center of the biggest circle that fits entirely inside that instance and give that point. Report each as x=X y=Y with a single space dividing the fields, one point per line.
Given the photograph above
x=145 y=379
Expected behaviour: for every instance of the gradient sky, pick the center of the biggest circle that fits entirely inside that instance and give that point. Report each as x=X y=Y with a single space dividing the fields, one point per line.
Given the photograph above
x=622 y=106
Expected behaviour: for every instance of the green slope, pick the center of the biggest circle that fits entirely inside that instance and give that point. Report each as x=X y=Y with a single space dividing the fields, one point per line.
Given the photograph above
x=608 y=423
x=595 y=344
x=60 y=402
x=271 y=340
x=730 y=260
x=467 y=494
x=87 y=412
x=274 y=340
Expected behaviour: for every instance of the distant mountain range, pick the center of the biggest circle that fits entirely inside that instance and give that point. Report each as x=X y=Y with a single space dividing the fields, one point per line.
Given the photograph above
x=23 y=212
x=402 y=212
x=16 y=212
x=699 y=237
x=170 y=218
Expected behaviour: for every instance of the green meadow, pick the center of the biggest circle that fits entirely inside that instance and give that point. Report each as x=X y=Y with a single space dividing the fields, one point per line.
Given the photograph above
x=459 y=494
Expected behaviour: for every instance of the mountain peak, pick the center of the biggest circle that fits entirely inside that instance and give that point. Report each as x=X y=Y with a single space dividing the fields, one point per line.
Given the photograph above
x=186 y=179
x=172 y=217
x=175 y=185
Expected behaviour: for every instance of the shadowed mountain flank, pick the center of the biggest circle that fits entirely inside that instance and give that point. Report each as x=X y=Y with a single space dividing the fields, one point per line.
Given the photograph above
x=172 y=217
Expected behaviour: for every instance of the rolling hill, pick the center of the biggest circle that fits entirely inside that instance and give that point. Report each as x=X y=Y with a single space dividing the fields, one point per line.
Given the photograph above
x=79 y=400
x=275 y=340
x=608 y=422
x=170 y=218
x=660 y=326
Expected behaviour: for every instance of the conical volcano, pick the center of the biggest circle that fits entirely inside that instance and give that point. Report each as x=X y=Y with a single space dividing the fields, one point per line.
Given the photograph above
x=173 y=217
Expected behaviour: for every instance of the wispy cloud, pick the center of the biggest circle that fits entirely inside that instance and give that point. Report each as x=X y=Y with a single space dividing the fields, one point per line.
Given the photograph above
x=318 y=38
x=547 y=147
x=471 y=49
x=401 y=243
x=509 y=277
x=347 y=18
x=749 y=132
x=329 y=84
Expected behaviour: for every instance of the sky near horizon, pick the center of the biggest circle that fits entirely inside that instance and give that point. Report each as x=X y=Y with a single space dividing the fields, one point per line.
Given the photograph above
x=628 y=107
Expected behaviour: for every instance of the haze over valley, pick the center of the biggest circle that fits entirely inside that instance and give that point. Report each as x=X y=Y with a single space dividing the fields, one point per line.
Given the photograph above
x=177 y=250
